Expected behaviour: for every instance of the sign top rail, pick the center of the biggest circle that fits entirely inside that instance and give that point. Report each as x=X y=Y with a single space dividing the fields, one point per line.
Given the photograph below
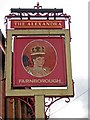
x=20 y=10
x=36 y=9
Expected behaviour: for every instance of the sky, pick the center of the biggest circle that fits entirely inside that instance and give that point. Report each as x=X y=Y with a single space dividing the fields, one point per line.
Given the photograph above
x=78 y=10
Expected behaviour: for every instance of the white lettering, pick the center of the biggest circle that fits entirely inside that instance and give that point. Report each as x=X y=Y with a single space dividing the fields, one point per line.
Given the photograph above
x=39 y=81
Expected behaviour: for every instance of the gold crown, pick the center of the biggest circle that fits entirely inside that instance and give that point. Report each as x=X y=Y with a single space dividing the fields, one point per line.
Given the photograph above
x=37 y=50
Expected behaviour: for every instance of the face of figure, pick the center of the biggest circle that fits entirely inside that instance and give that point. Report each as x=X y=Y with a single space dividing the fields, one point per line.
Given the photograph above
x=39 y=61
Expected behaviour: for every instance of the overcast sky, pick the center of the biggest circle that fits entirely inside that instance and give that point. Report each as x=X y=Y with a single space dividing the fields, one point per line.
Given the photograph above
x=78 y=9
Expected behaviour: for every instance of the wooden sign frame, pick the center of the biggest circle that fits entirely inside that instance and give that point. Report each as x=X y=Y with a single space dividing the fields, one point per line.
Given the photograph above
x=45 y=92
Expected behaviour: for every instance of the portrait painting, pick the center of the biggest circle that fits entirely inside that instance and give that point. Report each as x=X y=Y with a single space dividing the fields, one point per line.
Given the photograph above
x=39 y=58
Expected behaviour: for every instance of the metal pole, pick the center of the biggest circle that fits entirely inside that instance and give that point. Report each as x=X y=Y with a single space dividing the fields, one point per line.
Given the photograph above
x=39 y=107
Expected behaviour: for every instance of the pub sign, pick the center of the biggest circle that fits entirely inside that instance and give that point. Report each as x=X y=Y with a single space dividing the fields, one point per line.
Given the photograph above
x=39 y=61
x=38 y=53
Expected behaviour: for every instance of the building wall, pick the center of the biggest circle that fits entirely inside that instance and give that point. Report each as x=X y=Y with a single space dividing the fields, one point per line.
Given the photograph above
x=2 y=80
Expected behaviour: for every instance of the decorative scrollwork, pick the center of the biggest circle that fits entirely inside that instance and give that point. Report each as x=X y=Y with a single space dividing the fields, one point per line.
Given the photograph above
x=37 y=11
x=67 y=100
x=52 y=100
x=11 y=100
x=29 y=101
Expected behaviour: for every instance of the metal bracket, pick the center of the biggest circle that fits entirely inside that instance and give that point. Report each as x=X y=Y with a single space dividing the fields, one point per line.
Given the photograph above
x=52 y=100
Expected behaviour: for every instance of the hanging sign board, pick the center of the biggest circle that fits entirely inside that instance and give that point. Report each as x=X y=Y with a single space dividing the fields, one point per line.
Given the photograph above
x=45 y=24
x=39 y=61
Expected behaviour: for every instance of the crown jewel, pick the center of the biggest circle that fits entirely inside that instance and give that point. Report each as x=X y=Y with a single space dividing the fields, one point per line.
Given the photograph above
x=37 y=50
